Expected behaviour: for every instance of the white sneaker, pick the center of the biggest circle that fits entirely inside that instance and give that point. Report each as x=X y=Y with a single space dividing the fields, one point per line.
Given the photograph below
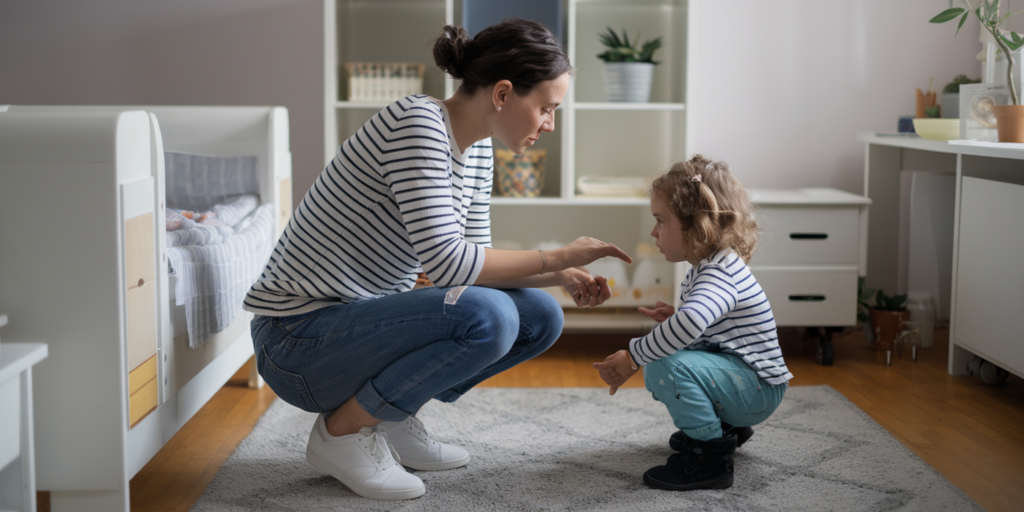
x=418 y=450
x=362 y=461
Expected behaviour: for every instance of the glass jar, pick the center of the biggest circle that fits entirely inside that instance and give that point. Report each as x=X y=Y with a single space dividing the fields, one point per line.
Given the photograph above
x=919 y=304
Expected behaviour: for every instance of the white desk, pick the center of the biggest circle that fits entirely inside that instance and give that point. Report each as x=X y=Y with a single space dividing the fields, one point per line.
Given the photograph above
x=17 y=476
x=987 y=282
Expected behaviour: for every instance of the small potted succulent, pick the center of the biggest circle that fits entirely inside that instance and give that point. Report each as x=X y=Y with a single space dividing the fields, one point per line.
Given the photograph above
x=1009 y=118
x=887 y=316
x=628 y=67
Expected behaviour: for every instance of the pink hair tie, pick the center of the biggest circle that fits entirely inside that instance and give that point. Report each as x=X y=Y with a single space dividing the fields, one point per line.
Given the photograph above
x=695 y=178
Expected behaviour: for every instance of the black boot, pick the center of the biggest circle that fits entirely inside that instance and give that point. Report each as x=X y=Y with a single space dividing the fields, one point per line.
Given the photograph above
x=742 y=435
x=698 y=465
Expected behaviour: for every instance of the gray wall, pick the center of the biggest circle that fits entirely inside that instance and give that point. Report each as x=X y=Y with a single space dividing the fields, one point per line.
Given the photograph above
x=179 y=52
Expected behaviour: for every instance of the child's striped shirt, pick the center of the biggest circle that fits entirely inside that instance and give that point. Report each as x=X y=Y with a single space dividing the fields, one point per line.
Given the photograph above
x=723 y=310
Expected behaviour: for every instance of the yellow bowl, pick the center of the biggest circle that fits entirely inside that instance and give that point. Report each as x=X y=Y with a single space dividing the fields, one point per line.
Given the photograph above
x=937 y=129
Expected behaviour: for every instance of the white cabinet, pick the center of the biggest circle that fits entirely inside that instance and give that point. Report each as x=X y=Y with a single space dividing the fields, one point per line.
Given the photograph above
x=990 y=279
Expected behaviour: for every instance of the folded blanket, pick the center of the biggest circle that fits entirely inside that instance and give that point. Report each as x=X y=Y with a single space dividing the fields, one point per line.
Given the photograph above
x=214 y=226
x=216 y=264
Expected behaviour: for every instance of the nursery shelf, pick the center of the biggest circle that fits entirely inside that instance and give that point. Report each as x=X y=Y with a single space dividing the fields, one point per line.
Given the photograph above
x=596 y=320
x=375 y=105
x=629 y=106
x=578 y=200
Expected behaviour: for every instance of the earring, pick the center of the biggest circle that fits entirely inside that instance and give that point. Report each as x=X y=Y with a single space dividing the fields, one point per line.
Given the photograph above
x=498 y=108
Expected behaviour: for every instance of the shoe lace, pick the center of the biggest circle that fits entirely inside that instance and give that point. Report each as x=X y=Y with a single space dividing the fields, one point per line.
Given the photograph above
x=418 y=429
x=380 y=448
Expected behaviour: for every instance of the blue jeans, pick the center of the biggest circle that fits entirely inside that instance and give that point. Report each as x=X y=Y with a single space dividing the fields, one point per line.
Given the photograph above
x=702 y=389
x=396 y=352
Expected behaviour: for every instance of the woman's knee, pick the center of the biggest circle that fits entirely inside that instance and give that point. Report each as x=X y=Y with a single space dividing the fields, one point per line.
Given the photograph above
x=541 y=315
x=493 y=322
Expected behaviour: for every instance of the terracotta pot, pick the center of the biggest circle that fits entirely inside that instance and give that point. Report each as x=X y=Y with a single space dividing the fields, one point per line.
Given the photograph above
x=1009 y=122
x=887 y=327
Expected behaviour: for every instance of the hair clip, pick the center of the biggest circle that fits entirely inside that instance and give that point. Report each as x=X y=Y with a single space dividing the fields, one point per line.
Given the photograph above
x=696 y=178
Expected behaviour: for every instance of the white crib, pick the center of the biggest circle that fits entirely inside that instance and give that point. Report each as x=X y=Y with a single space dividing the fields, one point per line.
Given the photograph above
x=83 y=267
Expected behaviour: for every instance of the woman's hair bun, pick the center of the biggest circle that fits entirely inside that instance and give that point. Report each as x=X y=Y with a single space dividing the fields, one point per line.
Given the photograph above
x=450 y=50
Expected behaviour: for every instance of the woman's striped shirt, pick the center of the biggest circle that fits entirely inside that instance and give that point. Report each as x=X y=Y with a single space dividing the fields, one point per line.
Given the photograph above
x=398 y=198
x=723 y=310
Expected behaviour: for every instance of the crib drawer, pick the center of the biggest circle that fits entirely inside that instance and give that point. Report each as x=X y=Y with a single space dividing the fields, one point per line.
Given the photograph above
x=808 y=235
x=138 y=240
x=810 y=296
x=142 y=391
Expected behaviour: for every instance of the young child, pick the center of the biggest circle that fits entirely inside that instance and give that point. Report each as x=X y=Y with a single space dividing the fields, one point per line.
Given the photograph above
x=716 y=362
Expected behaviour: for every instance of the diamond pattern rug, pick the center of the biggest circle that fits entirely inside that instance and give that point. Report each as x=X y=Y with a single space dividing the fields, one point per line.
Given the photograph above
x=581 y=449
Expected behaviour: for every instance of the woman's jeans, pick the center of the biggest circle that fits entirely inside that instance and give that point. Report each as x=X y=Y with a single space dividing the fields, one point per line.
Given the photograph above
x=702 y=389
x=396 y=352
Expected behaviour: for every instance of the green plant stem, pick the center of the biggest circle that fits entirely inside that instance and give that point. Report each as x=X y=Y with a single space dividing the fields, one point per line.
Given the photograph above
x=994 y=30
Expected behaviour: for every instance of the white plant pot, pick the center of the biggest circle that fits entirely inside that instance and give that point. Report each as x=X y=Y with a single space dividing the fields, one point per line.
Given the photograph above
x=628 y=81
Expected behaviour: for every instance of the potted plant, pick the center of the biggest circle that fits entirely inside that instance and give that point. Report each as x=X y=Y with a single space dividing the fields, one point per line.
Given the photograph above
x=886 y=317
x=951 y=95
x=628 y=69
x=1009 y=118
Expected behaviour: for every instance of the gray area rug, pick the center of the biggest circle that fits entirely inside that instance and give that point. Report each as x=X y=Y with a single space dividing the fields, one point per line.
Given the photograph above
x=580 y=449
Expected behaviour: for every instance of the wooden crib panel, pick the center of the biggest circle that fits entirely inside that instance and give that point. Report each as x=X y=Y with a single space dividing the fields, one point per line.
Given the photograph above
x=142 y=389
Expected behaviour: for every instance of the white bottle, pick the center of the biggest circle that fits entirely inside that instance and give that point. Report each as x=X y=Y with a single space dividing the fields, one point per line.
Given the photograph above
x=921 y=310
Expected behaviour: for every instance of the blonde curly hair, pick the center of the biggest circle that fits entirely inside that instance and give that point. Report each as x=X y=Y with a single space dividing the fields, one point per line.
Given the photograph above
x=712 y=206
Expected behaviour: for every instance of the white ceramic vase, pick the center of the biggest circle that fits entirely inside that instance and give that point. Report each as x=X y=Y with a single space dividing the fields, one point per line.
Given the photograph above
x=628 y=81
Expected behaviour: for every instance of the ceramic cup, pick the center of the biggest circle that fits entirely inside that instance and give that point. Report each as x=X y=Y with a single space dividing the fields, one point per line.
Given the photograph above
x=520 y=175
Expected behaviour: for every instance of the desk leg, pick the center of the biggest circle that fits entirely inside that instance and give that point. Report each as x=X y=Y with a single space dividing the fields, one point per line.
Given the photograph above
x=28 y=459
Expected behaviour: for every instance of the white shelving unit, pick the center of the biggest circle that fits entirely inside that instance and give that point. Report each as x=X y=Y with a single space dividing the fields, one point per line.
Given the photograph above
x=592 y=137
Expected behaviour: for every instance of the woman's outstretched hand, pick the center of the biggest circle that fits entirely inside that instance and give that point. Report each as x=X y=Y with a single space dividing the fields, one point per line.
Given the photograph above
x=660 y=313
x=585 y=289
x=616 y=369
x=585 y=250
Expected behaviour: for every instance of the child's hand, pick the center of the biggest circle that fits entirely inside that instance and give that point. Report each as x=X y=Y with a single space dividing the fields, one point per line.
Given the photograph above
x=660 y=313
x=585 y=289
x=616 y=369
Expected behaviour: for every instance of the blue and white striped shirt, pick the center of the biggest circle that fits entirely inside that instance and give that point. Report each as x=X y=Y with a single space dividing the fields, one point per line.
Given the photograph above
x=399 y=198
x=723 y=310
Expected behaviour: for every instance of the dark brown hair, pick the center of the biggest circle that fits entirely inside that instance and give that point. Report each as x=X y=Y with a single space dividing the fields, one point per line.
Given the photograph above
x=521 y=51
x=712 y=206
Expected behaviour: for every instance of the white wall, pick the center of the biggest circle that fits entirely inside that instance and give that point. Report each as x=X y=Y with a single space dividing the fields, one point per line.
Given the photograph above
x=781 y=88
x=172 y=52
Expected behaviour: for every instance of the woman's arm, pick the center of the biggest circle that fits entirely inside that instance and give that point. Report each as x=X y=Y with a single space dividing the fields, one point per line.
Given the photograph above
x=585 y=289
x=501 y=266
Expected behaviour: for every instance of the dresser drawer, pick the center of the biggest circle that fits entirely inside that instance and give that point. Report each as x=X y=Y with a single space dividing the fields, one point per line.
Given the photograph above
x=808 y=235
x=810 y=296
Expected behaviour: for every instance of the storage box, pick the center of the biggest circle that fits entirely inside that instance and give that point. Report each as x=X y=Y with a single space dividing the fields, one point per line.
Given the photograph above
x=383 y=81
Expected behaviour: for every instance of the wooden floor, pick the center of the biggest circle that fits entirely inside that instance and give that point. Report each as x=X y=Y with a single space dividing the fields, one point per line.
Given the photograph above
x=969 y=432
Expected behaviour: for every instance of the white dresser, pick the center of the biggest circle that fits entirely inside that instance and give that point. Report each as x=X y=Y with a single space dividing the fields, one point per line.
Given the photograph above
x=812 y=249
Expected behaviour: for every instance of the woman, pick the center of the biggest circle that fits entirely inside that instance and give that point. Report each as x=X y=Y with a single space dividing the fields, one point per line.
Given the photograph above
x=339 y=330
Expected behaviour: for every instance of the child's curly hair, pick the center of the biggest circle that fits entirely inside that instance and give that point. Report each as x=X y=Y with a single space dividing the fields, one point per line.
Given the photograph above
x=712 y=206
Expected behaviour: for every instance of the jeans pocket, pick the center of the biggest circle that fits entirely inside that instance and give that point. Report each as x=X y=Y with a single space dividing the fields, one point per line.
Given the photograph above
x=288 y=386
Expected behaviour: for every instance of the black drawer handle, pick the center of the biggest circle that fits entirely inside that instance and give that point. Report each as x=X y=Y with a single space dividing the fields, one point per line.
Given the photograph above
x=808 y=236
x=807 y=298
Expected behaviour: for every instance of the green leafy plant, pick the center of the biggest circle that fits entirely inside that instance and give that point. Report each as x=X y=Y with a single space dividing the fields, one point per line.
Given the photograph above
x=887 y=303
x=621 y=50
x=932 y=111
x=954 y=85
x=864 y=294
x=988 y=14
